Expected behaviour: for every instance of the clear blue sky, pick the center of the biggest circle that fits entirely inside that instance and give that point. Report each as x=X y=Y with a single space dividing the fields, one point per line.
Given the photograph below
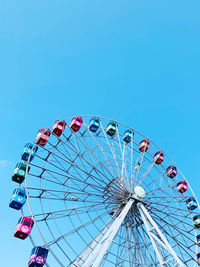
x=136 y=61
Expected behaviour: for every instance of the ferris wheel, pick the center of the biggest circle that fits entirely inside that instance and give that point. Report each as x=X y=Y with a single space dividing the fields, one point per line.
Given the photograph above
x=99 y=193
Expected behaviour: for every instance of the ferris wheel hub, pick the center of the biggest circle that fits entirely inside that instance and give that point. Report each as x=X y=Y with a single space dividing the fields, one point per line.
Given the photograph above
x=139 y=191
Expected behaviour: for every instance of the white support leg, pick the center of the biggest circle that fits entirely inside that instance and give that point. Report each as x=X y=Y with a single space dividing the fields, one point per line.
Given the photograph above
x=131 y=260
x=97 y=254
x=134 y=237
x=84 y=254
x=157 y=238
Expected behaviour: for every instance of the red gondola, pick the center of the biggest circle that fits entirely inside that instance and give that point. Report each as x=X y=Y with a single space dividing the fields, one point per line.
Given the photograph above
x=144 y=145
x=42 y=137
x=59 y=127
x=158 y=157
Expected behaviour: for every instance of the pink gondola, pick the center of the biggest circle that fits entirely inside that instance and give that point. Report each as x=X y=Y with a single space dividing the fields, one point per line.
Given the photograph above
x=171 y=172
x=182 y=186
x=76 y=124
x=24 y=227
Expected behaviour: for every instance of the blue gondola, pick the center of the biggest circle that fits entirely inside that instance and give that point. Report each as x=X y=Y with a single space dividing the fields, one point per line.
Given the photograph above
x=191 y=203
x=128 y=135
x=94 y=125
x=38 y=257
x=198 y=240
x=19 y=173
x=18 y=199
x=111 y=129
x=171 y=172
x=196 y=220
x=29 y=149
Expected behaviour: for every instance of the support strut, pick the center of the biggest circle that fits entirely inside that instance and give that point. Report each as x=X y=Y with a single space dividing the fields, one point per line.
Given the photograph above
x=157 y=238
x=95 y=257
x=84 y=254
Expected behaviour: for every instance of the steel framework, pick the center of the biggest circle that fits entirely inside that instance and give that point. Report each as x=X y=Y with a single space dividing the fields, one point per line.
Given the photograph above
x=81 y=195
